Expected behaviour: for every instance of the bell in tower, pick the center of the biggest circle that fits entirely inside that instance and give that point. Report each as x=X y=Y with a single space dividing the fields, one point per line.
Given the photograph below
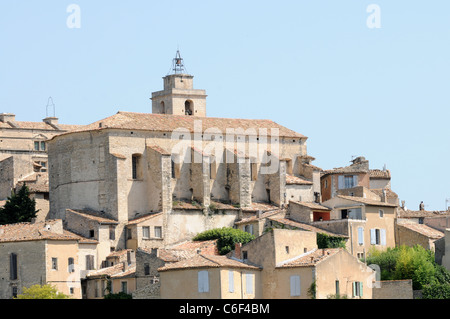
x=179 y=96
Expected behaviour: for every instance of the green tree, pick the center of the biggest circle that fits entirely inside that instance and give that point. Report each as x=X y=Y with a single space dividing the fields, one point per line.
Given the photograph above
x=226 y=237
x=42 y=292
x=18 y=208
x=416 y=263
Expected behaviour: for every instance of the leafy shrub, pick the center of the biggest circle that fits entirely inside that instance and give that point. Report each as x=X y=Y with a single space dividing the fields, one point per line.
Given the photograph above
x=226 y=237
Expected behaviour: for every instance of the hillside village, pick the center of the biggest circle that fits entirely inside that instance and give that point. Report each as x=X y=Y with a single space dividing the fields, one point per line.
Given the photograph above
x=121 y=199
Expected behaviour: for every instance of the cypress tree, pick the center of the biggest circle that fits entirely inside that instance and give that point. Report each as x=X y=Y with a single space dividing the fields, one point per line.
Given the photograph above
x=19 y=208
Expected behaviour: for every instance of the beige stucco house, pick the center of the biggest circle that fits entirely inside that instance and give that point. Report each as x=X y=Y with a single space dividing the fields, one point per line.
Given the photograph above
x=41 y=253
x=210 y=277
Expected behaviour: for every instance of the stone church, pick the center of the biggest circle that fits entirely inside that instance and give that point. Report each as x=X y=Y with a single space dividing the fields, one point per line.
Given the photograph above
x=156 y=179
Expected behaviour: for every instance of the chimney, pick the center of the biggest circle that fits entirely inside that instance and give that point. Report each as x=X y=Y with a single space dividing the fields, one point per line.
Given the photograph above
x=384 y=196
x=7 y=117
x=51 y=120
x=237 y=250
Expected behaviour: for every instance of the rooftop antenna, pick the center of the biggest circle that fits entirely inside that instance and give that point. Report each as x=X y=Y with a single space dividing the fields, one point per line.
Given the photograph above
x=447 y=200
x=50 y=103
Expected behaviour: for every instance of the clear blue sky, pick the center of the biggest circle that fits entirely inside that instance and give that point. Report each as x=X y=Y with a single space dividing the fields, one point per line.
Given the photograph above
x=312 y=66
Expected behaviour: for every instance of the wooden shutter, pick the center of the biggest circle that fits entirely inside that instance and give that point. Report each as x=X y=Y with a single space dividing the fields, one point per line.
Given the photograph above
x=295 y=285
x=203 y=281
x=383 y=237
x=341 y=184
x=360 y=236
x=355 y=180
x=373 y=239
x=230 y=281
x=360 y=289
x=249 y=283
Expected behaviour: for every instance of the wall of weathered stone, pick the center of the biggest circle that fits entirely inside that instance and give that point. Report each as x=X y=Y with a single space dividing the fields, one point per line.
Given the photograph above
x=393 y=289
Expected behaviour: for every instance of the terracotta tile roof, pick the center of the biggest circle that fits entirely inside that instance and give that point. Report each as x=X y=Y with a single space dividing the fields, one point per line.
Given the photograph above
x=294 y=180
x=314 y=206
x=36 y=182
x=379 y=192
x=264 y=207
x=32 y=232
x=256 y=217
x=141 y=219
x=158 y=149
x=81 y=239
x=379 y=174
x=185 y=250
x=39 y=126
x=367 y=201
x=130 y=272
x=401 y=213
x=95 y=216
x=119 y=253
x=303 y=226
x=168 y=123
x=202 y=261
x=308 y=259
x=207 y=247
x=424 y=230
x=108 y=271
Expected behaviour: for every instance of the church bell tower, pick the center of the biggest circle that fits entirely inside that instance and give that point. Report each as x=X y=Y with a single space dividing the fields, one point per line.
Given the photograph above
x=179 y=96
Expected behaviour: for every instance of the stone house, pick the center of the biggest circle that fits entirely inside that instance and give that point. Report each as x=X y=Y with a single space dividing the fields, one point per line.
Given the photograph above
x=291 y=262
x=113 y=279
x=357 y=174
x=369 y=224
x=23 y=155
x=210 y=277
x=149 y=260
x=41 y=253
x=280 y=264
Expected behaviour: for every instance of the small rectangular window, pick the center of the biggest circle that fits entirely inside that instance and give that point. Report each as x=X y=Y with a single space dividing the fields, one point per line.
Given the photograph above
x=71 y=265
x=146 y=269
x=158 y=231
x=36 y=146
x=91 y=233
x=112 y=233
x=124 y=285
x=381 y=212
x=146 y=232
x=13 y=266
x=55 y=263
x=42 y=146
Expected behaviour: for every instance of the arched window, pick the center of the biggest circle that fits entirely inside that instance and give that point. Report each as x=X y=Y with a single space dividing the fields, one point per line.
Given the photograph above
x=188 y=107
x=163 y=108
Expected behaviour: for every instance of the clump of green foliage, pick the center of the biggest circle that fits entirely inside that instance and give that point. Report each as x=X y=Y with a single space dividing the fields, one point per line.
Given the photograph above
x=327 y=241
x=226 y=237
x=41 y=292
x=119 y=295
x=415 y=263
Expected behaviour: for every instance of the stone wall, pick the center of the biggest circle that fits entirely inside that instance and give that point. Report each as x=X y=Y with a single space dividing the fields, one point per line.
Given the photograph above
x=393 y=289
